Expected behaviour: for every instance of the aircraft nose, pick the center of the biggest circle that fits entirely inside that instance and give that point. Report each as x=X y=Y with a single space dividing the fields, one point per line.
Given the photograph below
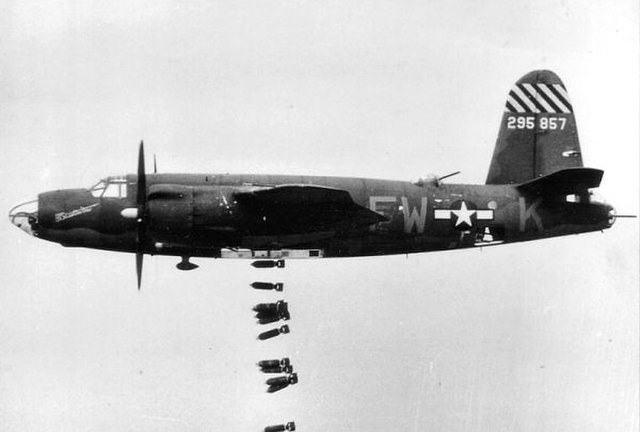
x=25 y=216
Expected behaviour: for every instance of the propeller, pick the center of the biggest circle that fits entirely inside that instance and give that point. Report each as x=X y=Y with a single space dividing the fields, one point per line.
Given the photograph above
x=141 y=201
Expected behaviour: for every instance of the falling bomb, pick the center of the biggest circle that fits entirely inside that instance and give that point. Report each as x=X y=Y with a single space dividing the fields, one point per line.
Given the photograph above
x=276 y=366
x=281 y=382
x=268 y=264
x=278 y=286
x=291 y=426
x=274 y=332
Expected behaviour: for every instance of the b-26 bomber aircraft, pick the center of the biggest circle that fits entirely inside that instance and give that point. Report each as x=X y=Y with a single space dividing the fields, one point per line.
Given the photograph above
x=536 y=188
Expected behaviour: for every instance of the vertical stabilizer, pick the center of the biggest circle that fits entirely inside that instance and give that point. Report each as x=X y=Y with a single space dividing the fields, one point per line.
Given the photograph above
x=538 y=134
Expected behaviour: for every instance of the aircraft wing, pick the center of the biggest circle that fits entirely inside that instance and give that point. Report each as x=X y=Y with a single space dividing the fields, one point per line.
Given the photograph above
x=303 y=208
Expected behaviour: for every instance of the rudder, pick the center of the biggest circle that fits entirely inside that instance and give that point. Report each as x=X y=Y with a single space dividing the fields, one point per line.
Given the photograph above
x=538 y=134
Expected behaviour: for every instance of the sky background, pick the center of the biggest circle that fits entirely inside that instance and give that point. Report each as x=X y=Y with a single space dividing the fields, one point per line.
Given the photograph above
x=528 y=337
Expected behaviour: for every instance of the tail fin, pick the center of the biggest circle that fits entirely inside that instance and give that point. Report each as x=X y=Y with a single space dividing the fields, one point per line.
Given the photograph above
x=538 y=134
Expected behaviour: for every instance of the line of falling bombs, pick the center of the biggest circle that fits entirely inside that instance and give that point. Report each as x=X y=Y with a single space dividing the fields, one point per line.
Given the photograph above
x=267 y=313
x=278 y=366
x=278 y=383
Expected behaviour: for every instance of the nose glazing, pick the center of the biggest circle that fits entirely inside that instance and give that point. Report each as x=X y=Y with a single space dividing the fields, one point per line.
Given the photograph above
x=25 y=216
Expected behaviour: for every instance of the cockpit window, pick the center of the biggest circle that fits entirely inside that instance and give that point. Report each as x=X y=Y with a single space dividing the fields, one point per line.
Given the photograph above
x=97 y=189
x=110 y=188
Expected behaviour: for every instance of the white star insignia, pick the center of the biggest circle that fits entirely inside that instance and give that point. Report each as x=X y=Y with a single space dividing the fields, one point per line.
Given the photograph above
x=463 y=214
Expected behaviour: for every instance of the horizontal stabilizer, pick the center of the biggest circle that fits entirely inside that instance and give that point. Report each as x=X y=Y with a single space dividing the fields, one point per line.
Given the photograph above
x=564 y=182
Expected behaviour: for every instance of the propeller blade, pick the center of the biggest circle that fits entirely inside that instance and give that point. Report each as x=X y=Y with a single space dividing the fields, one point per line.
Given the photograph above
x=141 y=197
x=139 y=259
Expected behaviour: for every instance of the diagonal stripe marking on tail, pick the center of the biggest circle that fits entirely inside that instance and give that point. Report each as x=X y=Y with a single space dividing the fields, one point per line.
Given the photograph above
x=561 y=92
x=514 y=97
x=513 y=105
x=540 y=99
x=533 y=96
x=554 y=108
x=554 y=98
x=521 y=95
x=509 y=107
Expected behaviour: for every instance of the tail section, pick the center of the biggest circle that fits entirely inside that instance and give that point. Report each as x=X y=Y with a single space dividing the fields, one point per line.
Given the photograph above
x=538 y=134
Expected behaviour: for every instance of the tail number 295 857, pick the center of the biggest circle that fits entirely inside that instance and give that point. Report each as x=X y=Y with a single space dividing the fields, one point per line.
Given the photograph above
x=544 y=123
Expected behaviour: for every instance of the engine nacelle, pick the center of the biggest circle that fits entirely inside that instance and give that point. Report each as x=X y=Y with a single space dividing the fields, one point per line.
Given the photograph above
x=177 y=210
x=170 y=209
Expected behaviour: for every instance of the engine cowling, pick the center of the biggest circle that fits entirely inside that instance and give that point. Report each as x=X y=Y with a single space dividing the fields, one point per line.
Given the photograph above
x=177 y=211
x=170 y=209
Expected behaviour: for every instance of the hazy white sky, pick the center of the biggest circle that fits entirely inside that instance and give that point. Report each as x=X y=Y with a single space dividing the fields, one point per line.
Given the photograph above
x=537 y=336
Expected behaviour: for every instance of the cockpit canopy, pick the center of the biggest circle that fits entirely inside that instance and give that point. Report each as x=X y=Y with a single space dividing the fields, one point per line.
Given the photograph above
x=110 y=187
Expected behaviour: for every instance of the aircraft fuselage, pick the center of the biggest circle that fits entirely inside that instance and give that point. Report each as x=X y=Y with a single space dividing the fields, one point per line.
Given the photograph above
x=199 y=215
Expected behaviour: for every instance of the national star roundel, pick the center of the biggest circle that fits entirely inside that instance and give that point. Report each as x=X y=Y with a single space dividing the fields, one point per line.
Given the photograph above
x=463 y=214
